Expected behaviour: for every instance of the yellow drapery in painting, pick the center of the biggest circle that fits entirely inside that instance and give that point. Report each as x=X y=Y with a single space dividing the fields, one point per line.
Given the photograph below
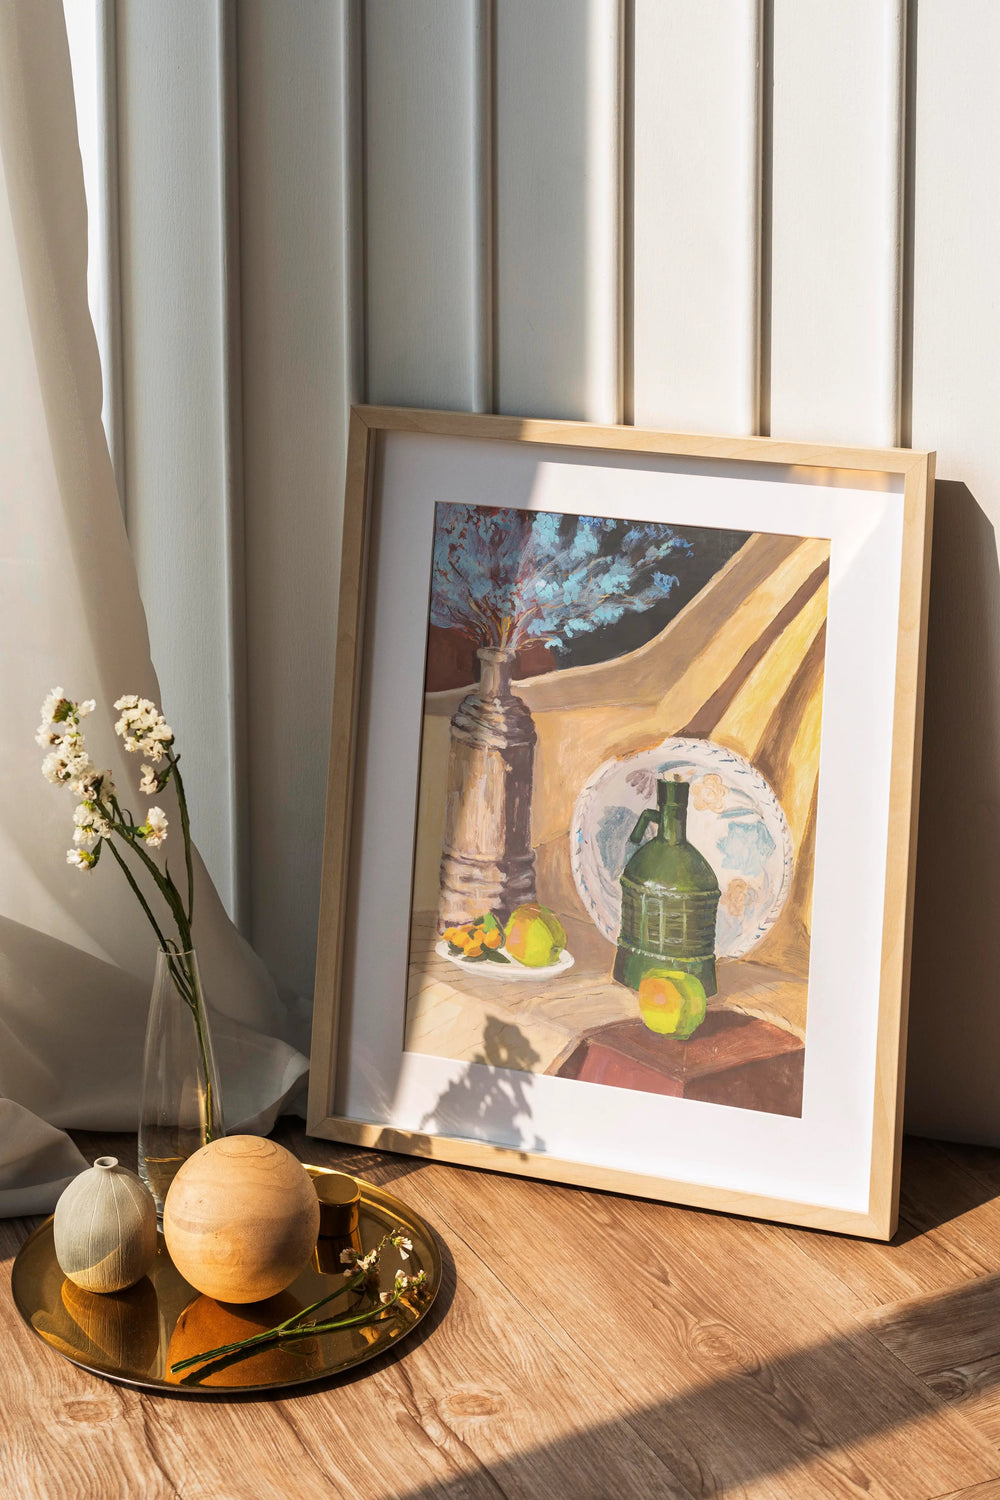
x=742 y=665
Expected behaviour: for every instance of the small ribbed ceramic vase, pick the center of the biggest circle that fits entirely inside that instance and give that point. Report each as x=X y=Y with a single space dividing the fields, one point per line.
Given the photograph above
x=105 y=1228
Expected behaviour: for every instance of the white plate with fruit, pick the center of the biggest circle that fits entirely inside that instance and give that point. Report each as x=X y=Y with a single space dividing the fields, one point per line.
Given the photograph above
x=531 y=945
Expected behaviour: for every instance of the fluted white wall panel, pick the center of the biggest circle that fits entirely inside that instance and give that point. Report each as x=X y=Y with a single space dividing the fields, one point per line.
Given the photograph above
x=695 y=214
x=300 y=237
x=425 y=202
x=178 y=406
x=956 y=242
x=835 y=197
x=687 y=214
x=557 y=146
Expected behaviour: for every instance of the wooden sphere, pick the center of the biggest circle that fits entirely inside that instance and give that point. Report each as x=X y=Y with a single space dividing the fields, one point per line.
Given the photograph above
x=105 y=1228
x=241 y=1219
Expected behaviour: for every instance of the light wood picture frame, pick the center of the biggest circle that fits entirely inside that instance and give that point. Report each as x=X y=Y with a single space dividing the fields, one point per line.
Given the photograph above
x=770 y=657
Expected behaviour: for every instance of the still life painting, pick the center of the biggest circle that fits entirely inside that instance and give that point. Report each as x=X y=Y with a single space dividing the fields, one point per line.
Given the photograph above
x=619 y=770
x=620 y=830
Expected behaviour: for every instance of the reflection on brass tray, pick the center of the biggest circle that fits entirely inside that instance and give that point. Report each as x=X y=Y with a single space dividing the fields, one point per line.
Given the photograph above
x=135 y=1336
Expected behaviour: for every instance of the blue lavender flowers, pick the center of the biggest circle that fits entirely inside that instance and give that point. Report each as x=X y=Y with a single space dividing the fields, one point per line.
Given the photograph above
x=504 y=577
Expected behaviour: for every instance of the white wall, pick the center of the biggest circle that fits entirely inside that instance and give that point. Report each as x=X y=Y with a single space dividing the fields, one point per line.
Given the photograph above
x=729 y=215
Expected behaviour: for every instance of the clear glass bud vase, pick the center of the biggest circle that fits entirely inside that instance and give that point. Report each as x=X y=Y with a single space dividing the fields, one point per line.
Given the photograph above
x=180 y=1103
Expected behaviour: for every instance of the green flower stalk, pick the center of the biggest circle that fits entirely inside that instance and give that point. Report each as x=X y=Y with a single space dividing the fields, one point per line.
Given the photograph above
x=362 y=1277
x=101 y=821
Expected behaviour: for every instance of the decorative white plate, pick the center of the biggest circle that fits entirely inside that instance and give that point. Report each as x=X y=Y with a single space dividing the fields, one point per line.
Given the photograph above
x=734 y=819
x=513 y=970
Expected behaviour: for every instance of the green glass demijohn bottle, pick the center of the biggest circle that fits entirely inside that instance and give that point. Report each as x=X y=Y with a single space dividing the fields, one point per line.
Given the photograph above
x=670 y=897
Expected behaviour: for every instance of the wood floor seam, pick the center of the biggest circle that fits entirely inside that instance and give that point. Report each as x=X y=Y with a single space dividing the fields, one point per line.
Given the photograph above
x=942 y=1403
x=582 y=1357
x=151 y=1446
x=988 y=1490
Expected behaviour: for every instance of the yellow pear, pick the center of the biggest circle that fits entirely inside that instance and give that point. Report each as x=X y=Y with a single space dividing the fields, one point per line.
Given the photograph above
x=535 y=936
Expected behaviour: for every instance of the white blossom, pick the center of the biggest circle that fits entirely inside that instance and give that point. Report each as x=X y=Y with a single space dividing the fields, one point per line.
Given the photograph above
x=97 y=816
x=94 y=786
x=402 y=1283
x=52 y=767
x=142 y=727
x=402 y=1244
x=55 y=706
x=70 y=764
x=90 y=825
x=67 y=763
x=85 y=779
x=154 y=830
x=61 y=718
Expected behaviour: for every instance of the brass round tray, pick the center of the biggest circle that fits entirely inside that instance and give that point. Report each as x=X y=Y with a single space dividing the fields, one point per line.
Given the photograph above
x=133 y=1337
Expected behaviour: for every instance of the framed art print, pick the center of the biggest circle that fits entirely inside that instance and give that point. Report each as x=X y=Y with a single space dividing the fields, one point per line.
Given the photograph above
x=620 y=822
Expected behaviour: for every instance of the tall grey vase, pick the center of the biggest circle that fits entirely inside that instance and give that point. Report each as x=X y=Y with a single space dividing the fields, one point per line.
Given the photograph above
x=487 y=863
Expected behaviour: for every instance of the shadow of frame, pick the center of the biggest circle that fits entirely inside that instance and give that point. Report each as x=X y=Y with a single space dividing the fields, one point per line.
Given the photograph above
x=954 y=1025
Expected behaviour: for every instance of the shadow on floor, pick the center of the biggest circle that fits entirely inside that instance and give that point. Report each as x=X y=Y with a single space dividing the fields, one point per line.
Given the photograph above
x=962 y=1186
x=819 y=1406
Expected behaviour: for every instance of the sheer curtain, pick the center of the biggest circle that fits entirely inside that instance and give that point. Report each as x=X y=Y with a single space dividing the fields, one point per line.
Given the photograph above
x=76 y=953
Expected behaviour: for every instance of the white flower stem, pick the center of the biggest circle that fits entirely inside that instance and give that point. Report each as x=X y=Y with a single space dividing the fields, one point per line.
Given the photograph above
x=100 y=816
x=186 y=831
x=142 y=900
x=294 y=1328
x=166 y=886
x=184 y=981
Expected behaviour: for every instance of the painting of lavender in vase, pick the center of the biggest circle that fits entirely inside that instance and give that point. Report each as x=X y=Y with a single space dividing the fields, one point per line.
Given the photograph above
x=507 y=581
x=619 y=761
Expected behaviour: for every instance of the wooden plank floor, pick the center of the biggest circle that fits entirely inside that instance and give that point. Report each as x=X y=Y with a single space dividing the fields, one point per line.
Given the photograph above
x=586 y=1346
